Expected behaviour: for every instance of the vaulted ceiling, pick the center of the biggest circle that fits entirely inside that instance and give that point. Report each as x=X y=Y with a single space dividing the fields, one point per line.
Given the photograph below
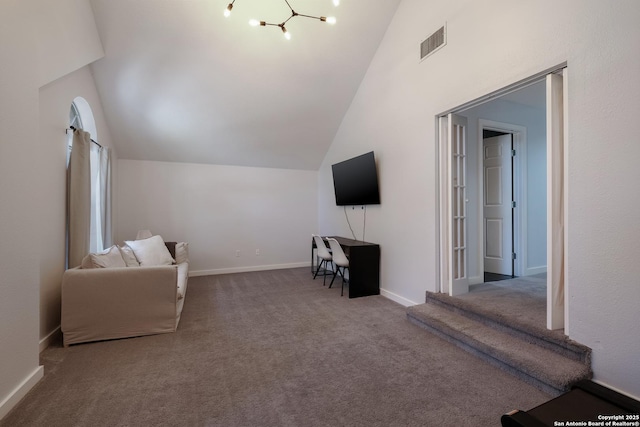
x=180 y=82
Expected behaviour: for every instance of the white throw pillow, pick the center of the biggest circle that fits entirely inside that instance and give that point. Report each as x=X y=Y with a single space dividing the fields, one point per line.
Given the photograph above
x=109 y=258
x=151 y=251
x=86 y=262
x=182 y=252
x=128 y=256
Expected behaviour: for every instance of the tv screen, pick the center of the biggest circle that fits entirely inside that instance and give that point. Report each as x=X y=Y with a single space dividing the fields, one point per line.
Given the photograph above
x=355 y=181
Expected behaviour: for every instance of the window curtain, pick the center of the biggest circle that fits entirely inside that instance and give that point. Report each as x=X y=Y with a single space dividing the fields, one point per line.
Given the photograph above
x=88 y=198
x=79 y=198
x=100 y=224
x=105 y=197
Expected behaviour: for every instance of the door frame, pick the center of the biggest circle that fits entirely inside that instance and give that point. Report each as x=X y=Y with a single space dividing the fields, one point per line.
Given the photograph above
x=519 y=134
x=443 y=193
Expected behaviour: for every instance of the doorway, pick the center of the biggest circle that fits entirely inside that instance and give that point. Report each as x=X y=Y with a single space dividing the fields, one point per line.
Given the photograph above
x=498 y=204
x=503 y=181
x=451 y=276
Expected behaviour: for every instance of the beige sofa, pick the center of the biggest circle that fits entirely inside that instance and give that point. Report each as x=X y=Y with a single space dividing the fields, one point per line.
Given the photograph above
x=119 y=302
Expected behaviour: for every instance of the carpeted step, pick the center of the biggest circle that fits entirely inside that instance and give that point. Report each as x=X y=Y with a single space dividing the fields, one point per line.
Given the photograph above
x=536 y=365
x=539 y=335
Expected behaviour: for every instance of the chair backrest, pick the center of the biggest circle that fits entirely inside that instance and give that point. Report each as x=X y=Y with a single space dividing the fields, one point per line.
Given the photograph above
x=339 y=258
x=323 y=252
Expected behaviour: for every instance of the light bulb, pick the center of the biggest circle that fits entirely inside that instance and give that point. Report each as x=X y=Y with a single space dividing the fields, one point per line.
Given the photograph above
x=336 y=2
x=331 y=20
x=286 y=33
x=254 y=22
x=227 y=11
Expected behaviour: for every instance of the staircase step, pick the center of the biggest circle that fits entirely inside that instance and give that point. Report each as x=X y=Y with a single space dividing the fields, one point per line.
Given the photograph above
x=541 y=367
x=539 y=335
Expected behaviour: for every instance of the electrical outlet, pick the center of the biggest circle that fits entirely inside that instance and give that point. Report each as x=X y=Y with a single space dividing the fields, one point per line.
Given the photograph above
x=237 y=252
x=257 y=252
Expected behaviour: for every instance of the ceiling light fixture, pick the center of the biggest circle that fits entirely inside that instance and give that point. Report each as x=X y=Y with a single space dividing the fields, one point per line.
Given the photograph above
x=287 y=35
x=227 y=11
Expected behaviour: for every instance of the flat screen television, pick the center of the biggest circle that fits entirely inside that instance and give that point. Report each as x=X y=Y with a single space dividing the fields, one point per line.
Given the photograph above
x=355 y=181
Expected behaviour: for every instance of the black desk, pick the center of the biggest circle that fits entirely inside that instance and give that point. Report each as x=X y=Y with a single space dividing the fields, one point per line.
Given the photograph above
x=364 y=266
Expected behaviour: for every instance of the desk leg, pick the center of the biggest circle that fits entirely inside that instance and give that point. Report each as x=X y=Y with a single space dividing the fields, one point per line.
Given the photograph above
x=364 y=271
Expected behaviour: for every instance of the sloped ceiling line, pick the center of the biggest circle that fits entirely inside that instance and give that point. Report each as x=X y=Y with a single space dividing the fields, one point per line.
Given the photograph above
x=181 y=83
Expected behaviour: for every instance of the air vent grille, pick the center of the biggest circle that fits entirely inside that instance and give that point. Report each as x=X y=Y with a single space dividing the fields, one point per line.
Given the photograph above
x=433 y=43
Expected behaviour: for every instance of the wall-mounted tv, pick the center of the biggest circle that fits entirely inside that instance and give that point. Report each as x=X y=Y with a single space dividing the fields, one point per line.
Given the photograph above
x=355 y=181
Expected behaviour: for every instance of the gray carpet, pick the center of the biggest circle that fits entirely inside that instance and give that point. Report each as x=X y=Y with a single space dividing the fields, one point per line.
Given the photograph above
x=522 y=299
x=273 y=348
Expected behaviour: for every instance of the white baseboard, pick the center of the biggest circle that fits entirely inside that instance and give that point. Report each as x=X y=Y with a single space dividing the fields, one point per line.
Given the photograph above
x=46 y=341
x=196 y=273
x=397 y=298
x=21 y=391
x=530 y=271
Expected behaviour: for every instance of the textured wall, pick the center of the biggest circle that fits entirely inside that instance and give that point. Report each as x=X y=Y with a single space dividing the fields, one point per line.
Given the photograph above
x=394 y=114
x=19 y=208
x=220 y=210
x=39 y=42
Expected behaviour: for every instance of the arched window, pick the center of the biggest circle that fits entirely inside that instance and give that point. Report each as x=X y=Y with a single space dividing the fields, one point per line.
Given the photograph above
x=75 y=119
x=81 y=117
x=82 y=113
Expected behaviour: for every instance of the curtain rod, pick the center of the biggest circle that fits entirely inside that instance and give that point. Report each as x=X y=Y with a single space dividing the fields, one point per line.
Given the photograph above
x=92 y=140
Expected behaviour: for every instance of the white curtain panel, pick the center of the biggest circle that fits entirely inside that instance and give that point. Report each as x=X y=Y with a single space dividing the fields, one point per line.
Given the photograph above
x=79 y=198
x=105 y=197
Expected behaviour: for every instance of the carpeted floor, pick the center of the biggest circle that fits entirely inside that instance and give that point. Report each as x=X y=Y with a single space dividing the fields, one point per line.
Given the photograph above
x=522 y=299
x=273 y=348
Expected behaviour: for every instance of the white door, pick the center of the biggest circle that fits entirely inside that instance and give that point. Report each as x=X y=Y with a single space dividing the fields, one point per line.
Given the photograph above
x=497 y=205
x=457 y=158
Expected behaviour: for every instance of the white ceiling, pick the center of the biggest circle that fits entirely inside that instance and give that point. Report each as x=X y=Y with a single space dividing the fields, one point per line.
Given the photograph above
x=180 y=82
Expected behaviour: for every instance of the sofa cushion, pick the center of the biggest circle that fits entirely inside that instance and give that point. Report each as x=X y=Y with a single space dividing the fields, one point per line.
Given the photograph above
x=151 y=251
x=128 y=256
x=108 y=258
x=182 y=252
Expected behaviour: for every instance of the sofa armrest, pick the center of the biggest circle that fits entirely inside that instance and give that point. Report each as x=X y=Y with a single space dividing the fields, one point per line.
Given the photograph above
x=106 y=303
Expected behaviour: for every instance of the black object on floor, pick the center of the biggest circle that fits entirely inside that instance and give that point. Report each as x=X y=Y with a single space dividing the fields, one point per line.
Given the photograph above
x=586 y=402
x=495 y=277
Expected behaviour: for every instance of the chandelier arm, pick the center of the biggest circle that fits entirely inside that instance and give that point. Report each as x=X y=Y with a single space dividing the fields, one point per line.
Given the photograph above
x=287 y=2
x=309 y=16
x=287 y=20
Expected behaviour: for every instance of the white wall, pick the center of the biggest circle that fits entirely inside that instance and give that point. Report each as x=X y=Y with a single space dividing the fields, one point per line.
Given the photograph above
x=19 y=218
x=219 y=210
x=28 y=181
x=67 y=38
x=394 y=114
x=55 y=102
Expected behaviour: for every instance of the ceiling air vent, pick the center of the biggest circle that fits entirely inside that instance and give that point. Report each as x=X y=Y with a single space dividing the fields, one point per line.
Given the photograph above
x=433 y=43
